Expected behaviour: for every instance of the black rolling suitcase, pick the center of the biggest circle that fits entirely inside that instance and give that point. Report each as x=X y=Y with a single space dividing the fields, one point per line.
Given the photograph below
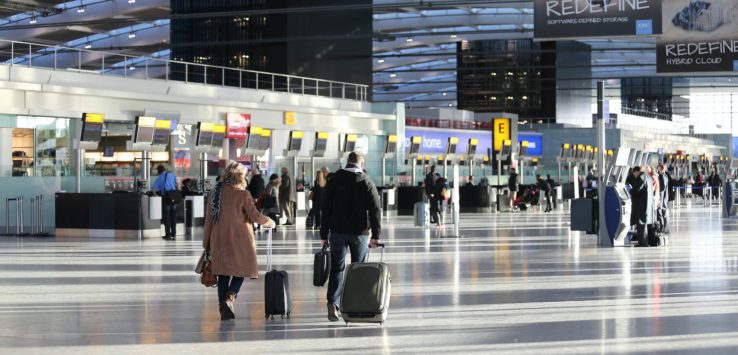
x=277 y=301
x=366 y=292
x=321 y=266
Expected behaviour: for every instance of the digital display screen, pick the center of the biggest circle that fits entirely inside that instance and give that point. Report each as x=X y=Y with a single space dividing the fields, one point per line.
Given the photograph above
x=144 y=132
x=391 y=145
x=92 y=127
x=254 y=140
x=472 y=147
x=295 y=141
x=266 y=137
x=218 y=136
x=161 y=132
x=350 y=143
x=321 y=141
x=204 y=134
x=108 y=152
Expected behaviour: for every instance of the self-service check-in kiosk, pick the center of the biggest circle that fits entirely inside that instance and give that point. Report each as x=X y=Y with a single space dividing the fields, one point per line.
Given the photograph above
x=504 y=154
x=617 y=200
x=412 y=155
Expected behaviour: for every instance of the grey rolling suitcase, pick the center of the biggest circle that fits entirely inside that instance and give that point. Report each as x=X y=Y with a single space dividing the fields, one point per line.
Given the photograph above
x=421 y=214
x=366 y=292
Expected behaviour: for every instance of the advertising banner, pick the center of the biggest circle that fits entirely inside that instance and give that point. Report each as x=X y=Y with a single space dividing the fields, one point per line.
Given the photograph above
x=596 y=18
x=434 y=142
x=699 y=36
x=237 y=125
x=535 y=143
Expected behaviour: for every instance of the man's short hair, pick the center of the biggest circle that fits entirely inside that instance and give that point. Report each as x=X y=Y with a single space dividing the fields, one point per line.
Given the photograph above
x=160 y=169
x=637 y=168
x=355 y=157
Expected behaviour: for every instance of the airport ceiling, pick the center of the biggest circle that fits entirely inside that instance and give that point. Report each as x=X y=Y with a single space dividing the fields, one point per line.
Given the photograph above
x=414 y=47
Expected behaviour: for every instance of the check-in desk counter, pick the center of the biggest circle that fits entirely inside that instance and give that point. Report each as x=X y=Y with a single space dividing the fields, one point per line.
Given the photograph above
x=105 y=215
x=407 y=197
x=194 y=213
x=476 y=199
x=388 y=197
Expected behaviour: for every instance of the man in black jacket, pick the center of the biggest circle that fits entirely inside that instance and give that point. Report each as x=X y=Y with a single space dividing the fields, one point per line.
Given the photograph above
x=351 y=209
x=552 y=184
x=256 y=185
x=543 y=187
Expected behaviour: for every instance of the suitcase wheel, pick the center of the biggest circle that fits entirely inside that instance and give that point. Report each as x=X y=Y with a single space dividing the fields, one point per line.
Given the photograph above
x=266 y=316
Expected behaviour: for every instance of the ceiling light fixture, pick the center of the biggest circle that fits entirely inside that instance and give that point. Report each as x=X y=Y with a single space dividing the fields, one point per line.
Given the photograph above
x=132 y=35
x=454 y=36
x=131 y=1
x=33 y=20
x=393 y=75
x=409 y=40
x=88 y=46
x=380 y=61
x=81 y=9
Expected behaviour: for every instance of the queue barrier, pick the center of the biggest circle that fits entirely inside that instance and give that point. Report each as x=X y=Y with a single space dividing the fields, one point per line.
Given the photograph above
x=18 y=202
x=37 y=216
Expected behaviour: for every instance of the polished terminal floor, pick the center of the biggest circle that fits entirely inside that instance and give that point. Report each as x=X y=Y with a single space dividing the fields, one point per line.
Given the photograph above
x=513 y=284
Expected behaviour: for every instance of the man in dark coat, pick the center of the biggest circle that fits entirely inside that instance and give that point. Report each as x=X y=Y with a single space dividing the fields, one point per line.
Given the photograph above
x=639 y=205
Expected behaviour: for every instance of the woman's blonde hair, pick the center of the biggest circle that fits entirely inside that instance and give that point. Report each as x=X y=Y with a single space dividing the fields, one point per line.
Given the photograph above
x=320 y=178
x=236 y=173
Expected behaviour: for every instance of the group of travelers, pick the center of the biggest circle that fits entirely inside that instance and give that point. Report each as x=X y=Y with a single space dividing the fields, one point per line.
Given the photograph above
x=346 y=208
x=438 y=193
x=650 y=193
x=532 y=194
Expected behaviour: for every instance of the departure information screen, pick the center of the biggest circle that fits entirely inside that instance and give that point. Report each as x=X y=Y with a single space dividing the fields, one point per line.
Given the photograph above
x=204 y=134
x=218 y=135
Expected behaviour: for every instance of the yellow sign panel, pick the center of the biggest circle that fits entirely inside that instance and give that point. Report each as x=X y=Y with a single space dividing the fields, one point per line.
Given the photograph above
x=393 y=138
x=567 y=145
x=146 y=121
x=207 y=126
x=352 y=137
x=219 y=128
x=256 y=130
x=474 y=141
x=454 y=140
x=524 y=144
x=163 y=124
x=94 y=117
x=322 y=135
x=266 y=132
x=296 y=134
x=289 y=118
x=500 y=132
x=417 y=139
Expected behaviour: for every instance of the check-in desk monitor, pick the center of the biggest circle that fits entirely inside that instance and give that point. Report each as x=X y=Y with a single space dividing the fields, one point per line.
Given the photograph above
x=295 y=142
x=144 y=130
x=321 y=142
x=162 y=130
x=266 y=139
x=390 y=145
x=617 y=214
x=204 y=134
x=219 y=131
x=92 y=127
x=349 y=143
x=453 y=142
x=471 y=149
x=253 y=142
x=415 y=143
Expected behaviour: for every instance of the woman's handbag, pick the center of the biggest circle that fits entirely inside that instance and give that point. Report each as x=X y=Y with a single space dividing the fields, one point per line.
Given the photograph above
x=204 y=269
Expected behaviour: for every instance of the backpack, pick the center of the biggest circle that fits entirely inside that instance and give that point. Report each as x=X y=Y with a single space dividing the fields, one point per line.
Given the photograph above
x=445 y=193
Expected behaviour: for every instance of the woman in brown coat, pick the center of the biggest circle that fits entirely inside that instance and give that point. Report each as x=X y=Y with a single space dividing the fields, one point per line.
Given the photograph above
x=229 y=235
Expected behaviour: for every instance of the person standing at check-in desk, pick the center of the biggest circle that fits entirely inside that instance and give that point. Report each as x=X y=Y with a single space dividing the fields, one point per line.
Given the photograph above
x=164 y=183
x=512 y=185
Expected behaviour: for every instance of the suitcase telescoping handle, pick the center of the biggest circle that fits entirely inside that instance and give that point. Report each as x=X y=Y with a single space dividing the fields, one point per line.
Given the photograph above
x=269 y=249
x=380 y=245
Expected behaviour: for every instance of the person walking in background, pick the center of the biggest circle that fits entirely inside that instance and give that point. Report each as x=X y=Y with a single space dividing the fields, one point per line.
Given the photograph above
x=543 y=187
x=351 y=209
x=552 y=184
x=229 y=237
x=440 y=193
x=512 y=185
x=429 y=183
x=287 y=197
x=639 y=208
x=256 y=184
x=270 y=205
x=166 y=185
x=316 y=196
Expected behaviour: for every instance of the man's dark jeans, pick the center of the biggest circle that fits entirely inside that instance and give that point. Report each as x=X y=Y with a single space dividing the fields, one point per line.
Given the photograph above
x=169 y=216
x=358 y=246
